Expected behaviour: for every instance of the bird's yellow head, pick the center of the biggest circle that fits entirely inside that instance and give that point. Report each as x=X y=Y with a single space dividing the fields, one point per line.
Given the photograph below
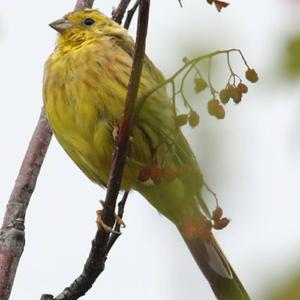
x=82 y=25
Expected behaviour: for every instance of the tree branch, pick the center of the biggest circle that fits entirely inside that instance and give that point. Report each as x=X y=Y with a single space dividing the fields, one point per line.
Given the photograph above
x=12 y=235
x=130 y=14
x=94 y=264
x=127 y=122
x=103 y=240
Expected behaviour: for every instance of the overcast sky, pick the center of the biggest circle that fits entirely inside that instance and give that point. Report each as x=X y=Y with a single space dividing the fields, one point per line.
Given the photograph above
x=251 y=159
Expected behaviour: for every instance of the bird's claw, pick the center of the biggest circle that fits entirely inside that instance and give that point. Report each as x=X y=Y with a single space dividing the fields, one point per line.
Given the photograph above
x=100 y=223
x=115 y=133
x=120 y=221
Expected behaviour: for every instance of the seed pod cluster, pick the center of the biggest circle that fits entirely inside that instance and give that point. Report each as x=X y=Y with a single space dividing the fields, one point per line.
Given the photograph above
x=231 y=91
x=192 y=118
x=219 y=222
x=215 y=108
x=251 y=75
x=200 y=84
x=182 y=119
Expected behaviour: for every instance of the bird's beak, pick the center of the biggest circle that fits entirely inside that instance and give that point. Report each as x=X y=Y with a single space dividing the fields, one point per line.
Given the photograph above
x=61 y=25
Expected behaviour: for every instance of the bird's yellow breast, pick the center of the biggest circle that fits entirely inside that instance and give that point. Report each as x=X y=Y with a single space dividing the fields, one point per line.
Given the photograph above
x=84 y=103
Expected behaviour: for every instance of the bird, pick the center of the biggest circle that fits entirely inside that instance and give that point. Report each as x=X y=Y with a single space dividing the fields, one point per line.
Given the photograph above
x=84 y=89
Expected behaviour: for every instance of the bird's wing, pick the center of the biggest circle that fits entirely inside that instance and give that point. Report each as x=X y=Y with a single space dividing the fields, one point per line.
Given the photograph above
x=156 y=120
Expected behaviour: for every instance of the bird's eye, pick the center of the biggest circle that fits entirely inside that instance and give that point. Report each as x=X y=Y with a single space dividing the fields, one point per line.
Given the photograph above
x=89 y=21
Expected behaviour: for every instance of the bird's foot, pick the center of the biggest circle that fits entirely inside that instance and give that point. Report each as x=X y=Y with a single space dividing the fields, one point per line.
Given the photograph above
x=115 y=133
x=100 y=223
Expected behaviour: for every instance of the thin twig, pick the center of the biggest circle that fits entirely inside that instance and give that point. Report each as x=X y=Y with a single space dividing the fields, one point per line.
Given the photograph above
x=97 y=256
x=209 y=71
x=187 y=64
x=181 y=89
x=117 y=229
x=130 y=14
x=118 y=13
x=12 y=235
x=82 y=4
x=127 y=122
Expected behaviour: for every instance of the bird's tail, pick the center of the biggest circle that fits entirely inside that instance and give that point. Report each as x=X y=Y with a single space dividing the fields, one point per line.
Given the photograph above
x=180 y=201
x=214 y=265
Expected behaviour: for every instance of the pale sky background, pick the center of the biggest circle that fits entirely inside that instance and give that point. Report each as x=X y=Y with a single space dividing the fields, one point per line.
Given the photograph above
x=251 y=159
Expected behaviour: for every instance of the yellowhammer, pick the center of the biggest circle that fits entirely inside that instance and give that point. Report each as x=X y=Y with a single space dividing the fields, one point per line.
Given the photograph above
x=85 y=85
